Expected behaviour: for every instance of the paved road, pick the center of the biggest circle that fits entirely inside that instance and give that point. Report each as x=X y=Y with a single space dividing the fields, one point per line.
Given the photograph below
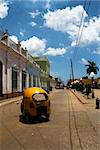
x=69 y=128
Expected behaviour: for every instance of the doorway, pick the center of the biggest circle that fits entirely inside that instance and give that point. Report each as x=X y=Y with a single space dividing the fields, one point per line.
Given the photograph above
x=0 y=78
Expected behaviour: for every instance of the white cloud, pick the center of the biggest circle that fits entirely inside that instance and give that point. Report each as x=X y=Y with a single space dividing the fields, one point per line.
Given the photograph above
x=65 y=20
x=61 y=44
x=68 y=21
x=34 y=14
x=55 y=74
x=50 y=62
x=34 y=1
x=97 y=51
x=55 y=51
x=34 y=45
x=47 y=5
x=91 y=32
x=84 y=61
x=21 y=33
x=33 y=23
x=14 y=38
x=3 y=9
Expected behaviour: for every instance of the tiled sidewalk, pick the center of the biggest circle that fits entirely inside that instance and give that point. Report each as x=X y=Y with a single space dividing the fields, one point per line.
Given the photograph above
x=83 y=98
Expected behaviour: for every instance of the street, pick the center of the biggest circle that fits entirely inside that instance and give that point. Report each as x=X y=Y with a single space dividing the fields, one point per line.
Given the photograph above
x=70 y=126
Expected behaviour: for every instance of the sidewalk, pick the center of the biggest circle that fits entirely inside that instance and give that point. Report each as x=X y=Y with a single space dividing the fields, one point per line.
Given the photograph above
x=15 y=99
x=10 y=100
x=83 y=98
x=89 y=106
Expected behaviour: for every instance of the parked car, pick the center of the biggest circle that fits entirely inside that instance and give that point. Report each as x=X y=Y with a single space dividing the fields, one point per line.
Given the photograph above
x=46 y=89
x=60 y=86
x=35 y=103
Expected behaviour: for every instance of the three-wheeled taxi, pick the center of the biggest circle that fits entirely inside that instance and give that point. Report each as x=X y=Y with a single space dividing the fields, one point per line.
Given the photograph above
x=35 y=103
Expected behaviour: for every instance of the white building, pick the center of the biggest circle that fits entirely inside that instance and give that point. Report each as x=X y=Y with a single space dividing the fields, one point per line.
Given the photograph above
x=17 y=68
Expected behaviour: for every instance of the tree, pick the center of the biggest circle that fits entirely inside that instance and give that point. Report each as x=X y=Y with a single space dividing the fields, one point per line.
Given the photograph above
x=85 y=77
x=91 y=67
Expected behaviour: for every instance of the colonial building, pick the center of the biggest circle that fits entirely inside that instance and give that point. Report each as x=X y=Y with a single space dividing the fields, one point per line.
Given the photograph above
x=46 y=80
x=45 y=70
x=52 y=81
x=18 y=70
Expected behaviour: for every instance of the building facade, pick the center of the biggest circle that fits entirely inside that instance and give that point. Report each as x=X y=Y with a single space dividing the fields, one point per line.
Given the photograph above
x=46 y=80
x=45 y=70
x=52 y=82
x=17 y=68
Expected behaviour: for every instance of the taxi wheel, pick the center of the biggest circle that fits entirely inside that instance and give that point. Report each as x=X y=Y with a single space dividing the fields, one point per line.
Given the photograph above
x=27 y=118
x=47 y=117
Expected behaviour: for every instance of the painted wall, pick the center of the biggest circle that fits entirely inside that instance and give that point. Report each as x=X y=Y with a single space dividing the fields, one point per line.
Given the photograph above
x=10 y=59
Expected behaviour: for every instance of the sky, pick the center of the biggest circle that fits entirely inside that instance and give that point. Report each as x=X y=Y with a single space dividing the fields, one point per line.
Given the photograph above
x=62 y=30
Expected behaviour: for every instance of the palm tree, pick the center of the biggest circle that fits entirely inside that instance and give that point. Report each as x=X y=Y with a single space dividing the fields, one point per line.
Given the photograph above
x=92 y=68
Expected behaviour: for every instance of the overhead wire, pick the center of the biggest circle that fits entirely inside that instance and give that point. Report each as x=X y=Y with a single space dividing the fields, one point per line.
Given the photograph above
x=81 y=21
x=86 y=7
x=82 y=25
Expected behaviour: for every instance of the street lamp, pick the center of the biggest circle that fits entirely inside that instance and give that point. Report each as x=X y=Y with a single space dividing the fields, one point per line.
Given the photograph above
x=92 y=75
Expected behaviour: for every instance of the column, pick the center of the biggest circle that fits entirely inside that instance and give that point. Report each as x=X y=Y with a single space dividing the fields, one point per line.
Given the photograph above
x=39 y=82
x=20 y=81
x=32 y=81
x=4 y=84
x=9 y=80
x=36 y=81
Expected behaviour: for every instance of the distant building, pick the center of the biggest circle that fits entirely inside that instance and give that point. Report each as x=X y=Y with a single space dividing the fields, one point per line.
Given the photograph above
x=17 y=68
x=52 y=81
x=44 y=64
x=89 y=81
x=59 y=83
x=34 y=71
x=86 y=81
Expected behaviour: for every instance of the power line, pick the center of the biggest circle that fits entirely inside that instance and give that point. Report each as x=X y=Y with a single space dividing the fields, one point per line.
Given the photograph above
x=81 y=21
x=86 y=7
x=72 y=72
x=81 y=26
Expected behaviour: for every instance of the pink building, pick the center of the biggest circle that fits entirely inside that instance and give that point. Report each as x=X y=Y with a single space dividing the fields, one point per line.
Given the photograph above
x=17 y=68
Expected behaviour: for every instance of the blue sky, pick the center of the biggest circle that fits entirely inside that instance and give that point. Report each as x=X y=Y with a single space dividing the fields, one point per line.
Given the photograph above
x=51 y=28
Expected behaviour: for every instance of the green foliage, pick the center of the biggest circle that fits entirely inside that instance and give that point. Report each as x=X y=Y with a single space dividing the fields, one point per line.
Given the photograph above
x=91 y=67
x=78 y=86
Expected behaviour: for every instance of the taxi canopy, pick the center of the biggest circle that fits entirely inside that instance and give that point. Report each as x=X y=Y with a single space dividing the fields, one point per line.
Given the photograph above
x=32 y=90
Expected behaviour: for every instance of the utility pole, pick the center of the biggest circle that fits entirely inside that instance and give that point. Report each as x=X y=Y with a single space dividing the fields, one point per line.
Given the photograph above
x=70 y=76
x=72 y=70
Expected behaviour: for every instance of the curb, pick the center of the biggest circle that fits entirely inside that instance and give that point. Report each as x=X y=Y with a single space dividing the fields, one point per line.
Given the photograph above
x=9 y=101
x=78 y=98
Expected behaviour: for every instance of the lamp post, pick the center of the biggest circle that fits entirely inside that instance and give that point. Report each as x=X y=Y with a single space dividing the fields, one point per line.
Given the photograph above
x=92 y=75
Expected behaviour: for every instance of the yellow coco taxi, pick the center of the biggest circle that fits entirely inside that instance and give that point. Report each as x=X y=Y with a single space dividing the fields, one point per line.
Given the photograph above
x=35 y=103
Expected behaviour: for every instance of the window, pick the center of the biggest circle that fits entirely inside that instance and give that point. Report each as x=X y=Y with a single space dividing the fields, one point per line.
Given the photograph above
x=14 y=79
x=34 y=81
x=23 y=80
x=29 y=80
x=40 y=97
